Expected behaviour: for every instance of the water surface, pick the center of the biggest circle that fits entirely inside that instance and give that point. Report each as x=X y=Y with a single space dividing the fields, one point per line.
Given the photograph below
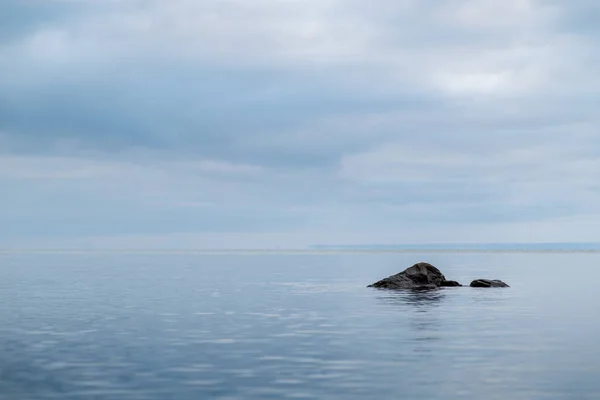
x=290 y=326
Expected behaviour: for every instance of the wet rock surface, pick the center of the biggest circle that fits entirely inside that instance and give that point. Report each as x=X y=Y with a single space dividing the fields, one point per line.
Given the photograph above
x=488 y=283
x=420 y=276
x=425 y=276
x=450 y=284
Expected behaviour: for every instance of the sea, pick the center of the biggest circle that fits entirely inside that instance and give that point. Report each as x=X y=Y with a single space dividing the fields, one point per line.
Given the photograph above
x=297 y=325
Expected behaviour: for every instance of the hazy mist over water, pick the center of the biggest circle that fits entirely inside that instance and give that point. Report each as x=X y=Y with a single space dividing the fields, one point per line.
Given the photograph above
x=301 y=325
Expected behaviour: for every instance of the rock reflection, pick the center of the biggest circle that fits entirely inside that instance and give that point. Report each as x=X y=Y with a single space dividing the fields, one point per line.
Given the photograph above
x=421 y=300
x=423 y=315
x=425 y=298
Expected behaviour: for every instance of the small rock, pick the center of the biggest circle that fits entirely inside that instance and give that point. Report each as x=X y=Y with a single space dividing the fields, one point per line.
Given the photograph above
x=486 y=283
x=450 y=283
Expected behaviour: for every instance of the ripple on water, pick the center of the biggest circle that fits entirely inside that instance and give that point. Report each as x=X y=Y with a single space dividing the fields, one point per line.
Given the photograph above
x=129 y=328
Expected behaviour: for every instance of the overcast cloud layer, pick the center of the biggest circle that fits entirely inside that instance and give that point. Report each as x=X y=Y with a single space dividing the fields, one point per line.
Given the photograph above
x=211 y=124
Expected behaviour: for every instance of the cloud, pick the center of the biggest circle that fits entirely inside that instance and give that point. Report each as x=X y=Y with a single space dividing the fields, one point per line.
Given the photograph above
x=335 y=119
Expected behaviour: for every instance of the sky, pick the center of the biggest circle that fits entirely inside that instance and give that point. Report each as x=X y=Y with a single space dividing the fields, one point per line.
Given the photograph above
x=188 y=124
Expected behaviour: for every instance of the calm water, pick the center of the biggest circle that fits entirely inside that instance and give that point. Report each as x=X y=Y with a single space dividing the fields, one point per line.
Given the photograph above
x=296 y=327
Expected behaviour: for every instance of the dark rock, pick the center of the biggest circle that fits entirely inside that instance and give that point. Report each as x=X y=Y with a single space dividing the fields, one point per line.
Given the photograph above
x=485 y=283
x=419 y=276
x=450 y=283
x=425 y=276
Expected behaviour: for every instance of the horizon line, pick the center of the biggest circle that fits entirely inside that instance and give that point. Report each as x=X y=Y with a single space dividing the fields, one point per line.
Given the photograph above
x=275 y=251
